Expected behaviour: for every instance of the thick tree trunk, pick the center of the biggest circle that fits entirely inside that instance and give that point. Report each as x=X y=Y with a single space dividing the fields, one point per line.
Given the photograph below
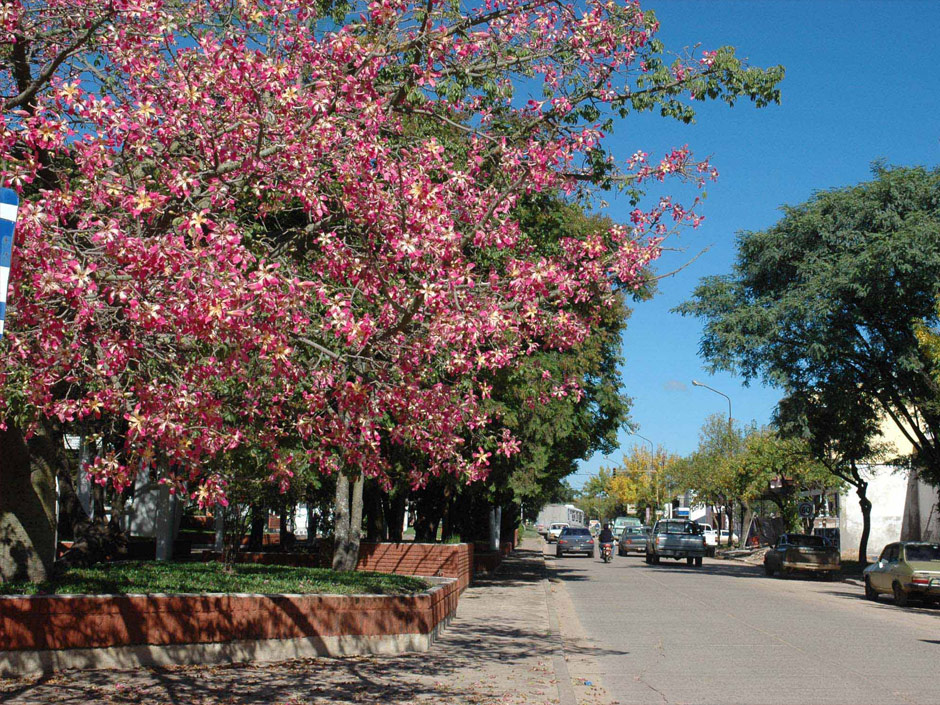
x=347 y=532
x=496 y=521
x=27 y=511
x=393 y=505
x=373 y=509
x=341 y=522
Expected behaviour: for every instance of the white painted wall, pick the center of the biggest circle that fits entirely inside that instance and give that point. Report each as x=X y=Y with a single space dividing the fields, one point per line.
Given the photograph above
x=887 y=490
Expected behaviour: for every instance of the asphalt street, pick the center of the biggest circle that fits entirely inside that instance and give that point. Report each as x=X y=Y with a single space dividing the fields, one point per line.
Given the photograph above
x=726 y=634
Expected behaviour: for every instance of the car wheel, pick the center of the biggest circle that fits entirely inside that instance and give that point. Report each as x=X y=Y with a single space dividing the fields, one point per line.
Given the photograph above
x=558 y=554
x=698 y=562
x=655 y=560
x=646 y=557
x=870 y=592
x=768 y=571
x=690 y=561
x=589 y=554
x=900 y=597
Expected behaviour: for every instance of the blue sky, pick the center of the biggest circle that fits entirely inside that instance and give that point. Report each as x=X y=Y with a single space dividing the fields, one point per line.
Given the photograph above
x=860 y=86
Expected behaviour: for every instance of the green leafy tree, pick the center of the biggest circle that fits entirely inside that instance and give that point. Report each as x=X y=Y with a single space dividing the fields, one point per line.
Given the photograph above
x=841 y=430
x=828 y=302
x=768 y=456
x=710 y=471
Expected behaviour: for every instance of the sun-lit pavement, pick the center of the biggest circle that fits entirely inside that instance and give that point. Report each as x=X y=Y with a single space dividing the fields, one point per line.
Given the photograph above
x=724 y=633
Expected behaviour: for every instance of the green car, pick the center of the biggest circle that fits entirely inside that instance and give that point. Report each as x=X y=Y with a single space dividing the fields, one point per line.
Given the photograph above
x=905 y=569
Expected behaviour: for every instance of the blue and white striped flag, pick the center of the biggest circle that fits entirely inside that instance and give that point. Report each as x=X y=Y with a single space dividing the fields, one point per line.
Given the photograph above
x=9 y=202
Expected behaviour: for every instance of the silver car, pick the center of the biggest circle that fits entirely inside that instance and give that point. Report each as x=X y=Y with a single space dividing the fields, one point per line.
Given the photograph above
x=633 y=540
x=575 y=539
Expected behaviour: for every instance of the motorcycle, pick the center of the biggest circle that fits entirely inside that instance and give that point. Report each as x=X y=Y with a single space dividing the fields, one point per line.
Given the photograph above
x=607 y=552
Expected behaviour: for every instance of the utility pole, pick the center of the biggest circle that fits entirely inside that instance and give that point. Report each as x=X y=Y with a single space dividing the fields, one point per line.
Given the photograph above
x=650 y=471
x=696 y=383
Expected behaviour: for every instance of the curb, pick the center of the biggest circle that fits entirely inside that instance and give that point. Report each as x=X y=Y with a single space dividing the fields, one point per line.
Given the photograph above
x=566 y=694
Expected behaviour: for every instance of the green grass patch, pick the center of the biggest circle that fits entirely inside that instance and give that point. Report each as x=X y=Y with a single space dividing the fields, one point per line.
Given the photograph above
x=156 y=577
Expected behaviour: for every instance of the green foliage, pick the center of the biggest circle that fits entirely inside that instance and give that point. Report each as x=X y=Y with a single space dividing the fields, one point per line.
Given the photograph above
x=828 y=303
x=556 y=431
x=740 y=464
x=161 y=577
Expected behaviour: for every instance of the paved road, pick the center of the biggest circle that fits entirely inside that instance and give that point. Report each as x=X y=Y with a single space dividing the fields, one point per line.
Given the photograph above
x=724 y=633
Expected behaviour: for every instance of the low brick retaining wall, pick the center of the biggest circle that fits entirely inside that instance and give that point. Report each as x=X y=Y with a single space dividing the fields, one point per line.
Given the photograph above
x=44 y=633
x=453 y=560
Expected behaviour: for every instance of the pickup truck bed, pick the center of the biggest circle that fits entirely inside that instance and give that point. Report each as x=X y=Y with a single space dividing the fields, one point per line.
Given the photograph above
x=676 y=539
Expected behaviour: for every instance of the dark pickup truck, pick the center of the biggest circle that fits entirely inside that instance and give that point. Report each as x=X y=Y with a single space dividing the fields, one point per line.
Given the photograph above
x=678 y=539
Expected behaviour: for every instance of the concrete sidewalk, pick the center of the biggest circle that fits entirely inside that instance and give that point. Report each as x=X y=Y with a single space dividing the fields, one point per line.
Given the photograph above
x=503 y=646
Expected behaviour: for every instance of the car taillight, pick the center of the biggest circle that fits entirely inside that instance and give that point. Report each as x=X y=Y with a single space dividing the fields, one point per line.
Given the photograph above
x=562 y=541
x=657 y=540
x=629 y=540
x=591 y=541
x=920 y=579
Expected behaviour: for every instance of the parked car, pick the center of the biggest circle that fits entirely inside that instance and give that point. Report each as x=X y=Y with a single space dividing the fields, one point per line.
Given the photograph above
x=905 y=569
x=554 y=531
x=676 y=538
x=575 y=539
x=711 y=538
x=542 y=529
x=724 y=537
x=632 y=540
x=802 y=552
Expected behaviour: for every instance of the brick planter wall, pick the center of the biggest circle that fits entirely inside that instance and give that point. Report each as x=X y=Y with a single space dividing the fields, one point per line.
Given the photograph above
x=35 y=630
x=428 y=559
x=444 y=560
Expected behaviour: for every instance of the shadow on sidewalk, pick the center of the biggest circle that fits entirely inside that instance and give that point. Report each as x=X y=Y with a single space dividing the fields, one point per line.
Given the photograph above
x=457 y=669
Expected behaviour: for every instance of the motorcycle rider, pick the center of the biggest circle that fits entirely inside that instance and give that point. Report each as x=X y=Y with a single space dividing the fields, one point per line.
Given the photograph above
x=606 y=536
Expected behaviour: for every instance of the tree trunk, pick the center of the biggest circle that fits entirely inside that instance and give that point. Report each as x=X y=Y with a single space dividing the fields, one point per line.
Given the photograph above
x=865 y=505
x=259 y=516
x=393 y=505
x=348 y=522
x=496 y=520
x=27 y=511
x=373 y=508
x=747 y=516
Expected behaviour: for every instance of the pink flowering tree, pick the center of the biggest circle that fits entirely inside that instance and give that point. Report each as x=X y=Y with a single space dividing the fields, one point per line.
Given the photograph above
x=285 y=225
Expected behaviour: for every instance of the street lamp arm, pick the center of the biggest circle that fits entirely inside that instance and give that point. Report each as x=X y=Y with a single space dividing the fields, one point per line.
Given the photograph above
x=696 y=383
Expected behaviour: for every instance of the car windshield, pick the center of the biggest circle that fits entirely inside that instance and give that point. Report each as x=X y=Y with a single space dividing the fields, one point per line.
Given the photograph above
x=576 y=532
x=922 y=552
x=807 y=541
x=633 y=530
x=678 y=527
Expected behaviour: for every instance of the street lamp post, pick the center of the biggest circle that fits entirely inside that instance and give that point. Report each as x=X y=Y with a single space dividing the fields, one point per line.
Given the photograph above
x=651 y=470
x=696 y=383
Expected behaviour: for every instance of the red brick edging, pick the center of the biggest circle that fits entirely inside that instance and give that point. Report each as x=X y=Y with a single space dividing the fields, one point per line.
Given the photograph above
x=46 y=622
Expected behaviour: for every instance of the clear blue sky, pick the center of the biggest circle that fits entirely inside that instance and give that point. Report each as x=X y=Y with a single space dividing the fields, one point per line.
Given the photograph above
x=860 y=86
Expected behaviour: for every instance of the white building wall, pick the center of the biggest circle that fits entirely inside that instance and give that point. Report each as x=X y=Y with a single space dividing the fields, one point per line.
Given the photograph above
x=887 y=490
x=903 y=509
